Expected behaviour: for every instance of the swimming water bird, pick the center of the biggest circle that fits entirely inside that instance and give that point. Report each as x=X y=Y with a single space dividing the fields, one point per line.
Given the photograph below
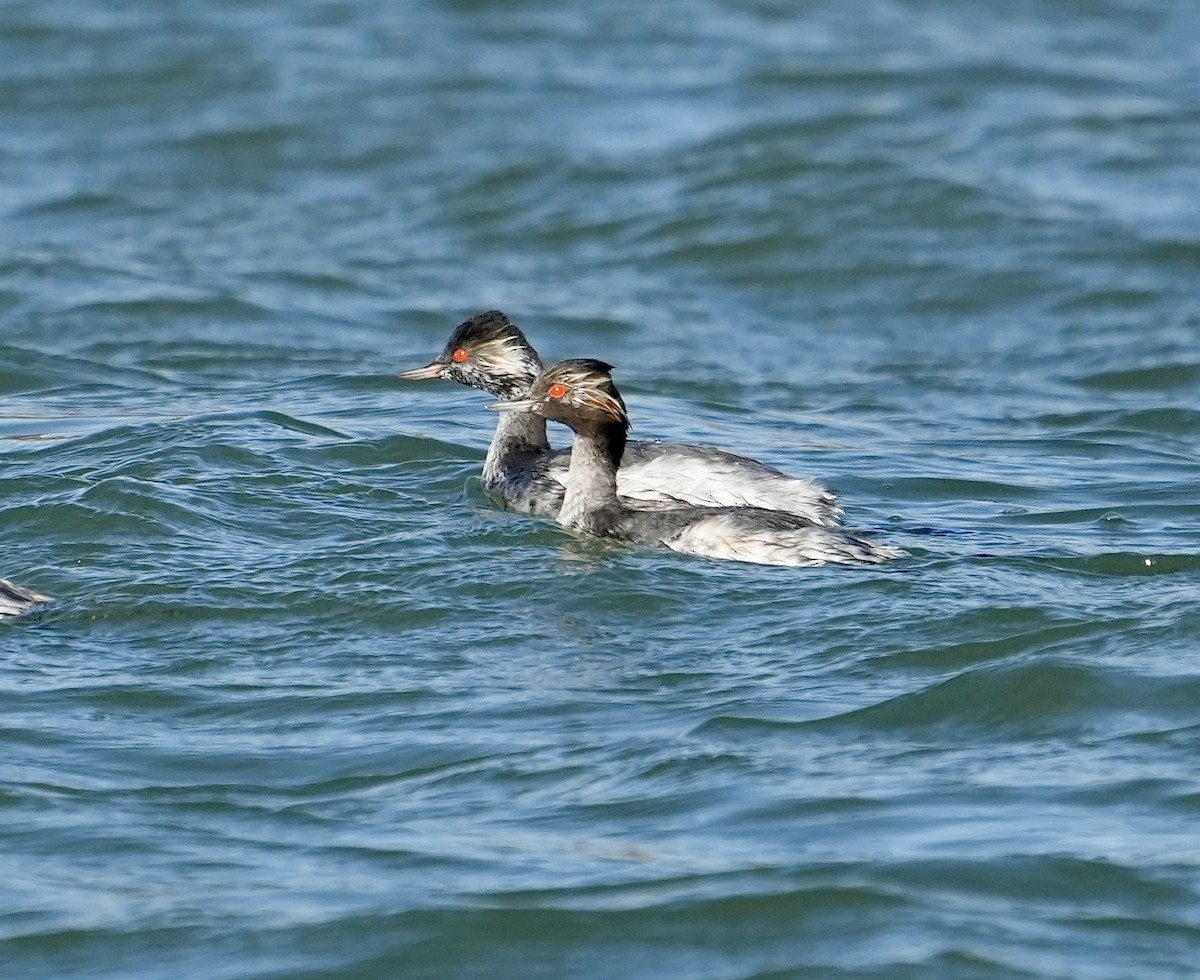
x=523 y=473
x=581 y=394
x=15 y=600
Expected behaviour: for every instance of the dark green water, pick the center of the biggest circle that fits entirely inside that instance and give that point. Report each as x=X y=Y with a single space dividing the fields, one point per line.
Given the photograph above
x=308 y=707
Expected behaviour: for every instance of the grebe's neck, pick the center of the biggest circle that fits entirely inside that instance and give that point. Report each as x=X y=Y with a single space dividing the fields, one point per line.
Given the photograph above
x=592 y=476
x=518 y=437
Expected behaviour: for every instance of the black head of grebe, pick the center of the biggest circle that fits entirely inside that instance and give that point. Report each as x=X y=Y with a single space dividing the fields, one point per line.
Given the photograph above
x=488 y=352
x=577 y=391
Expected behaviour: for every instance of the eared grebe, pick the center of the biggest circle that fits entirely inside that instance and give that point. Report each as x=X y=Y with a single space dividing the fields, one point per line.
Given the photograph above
x=581 y=394
x=489 y=352
x=15 y=600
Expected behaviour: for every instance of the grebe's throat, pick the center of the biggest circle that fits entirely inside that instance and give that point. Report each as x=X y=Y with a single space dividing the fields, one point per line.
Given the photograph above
x=592 y=476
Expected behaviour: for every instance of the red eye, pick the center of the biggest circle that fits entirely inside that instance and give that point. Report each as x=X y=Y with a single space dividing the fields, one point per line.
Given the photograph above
x=556 y=390
x=460 y=355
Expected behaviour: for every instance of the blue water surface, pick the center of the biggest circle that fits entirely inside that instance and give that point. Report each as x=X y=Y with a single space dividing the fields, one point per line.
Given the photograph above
x=308 y=706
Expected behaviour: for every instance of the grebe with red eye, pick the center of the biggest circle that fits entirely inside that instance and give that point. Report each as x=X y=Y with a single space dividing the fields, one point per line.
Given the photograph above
x=16 y=600
x=522 y=472
x=581 y=394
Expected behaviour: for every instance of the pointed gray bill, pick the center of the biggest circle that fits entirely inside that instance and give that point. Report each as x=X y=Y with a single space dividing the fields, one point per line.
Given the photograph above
x=516 y=405
x=431 y=370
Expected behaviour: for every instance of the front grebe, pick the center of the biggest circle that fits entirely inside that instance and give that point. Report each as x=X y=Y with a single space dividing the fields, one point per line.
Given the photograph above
x=581 y=394
x=15 y=600
x=489 y=352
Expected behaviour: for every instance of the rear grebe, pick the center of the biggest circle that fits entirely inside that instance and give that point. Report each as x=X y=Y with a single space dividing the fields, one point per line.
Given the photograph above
x=523 y=473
